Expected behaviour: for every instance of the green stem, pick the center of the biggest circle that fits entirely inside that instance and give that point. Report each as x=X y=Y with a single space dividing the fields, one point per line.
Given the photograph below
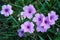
x=14 y=19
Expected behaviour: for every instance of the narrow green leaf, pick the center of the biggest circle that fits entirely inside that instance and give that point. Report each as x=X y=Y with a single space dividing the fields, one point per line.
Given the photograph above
x=49 y=37
x=14 y=19
x=41 y=38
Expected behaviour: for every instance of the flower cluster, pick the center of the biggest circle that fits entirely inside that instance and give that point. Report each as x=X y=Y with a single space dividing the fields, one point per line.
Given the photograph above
x=42 y=22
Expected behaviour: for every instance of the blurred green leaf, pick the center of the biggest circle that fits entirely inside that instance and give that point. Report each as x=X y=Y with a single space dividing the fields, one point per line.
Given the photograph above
x=57 y=38
x=49 y=37
x=41 y=38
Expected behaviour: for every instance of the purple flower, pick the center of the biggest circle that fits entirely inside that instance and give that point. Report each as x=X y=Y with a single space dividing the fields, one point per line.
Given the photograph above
x=29 y=11
x=52 y=17
x=39 y=18
x=20 y=32
x=42 y=28
x=6 y=10
x=28 y=27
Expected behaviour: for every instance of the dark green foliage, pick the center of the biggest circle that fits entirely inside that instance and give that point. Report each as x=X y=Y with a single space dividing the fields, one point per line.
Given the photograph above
x=9 y=25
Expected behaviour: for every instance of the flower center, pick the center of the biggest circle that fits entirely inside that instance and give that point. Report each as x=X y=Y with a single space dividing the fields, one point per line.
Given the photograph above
x=39 y=19
x=28 y=27
x=51 y=17
x=46 y=21
x=22 y=32
x=6 y=10
x=42 y=26
x=29 y=11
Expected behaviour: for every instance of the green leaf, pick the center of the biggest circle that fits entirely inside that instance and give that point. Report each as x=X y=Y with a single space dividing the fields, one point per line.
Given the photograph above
x=41 y=38
x=49 y=37
x=57 y=38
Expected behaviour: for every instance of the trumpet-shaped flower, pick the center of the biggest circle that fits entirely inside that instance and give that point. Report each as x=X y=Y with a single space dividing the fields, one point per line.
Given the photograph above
x=28 y=11
x=6 y=10
x=28 y=27
x=52 y=17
